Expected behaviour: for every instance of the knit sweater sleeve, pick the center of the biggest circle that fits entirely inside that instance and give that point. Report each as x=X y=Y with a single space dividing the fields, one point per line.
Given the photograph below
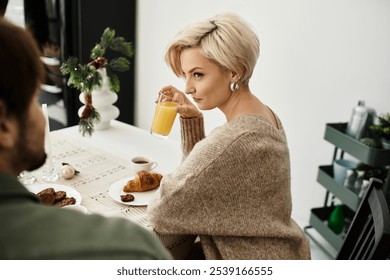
x=192 y=131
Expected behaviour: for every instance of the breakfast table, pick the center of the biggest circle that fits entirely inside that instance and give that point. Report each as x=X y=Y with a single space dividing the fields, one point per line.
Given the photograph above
x=103 y=162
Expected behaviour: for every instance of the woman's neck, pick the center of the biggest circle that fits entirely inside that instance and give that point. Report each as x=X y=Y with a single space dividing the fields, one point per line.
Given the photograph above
x=239 y=103
x=243 y=102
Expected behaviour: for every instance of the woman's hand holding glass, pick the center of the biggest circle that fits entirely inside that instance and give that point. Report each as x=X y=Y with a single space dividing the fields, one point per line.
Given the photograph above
x=171 y=101
x=185 y=108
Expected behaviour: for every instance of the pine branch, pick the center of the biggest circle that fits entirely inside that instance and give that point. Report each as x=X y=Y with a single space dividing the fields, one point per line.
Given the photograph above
x=86 y=77
x=107 y=36
x=119 y=64
x=97 y=51
x=82 y=77
x=114 y=81
x=119 y=44
x=87 y=125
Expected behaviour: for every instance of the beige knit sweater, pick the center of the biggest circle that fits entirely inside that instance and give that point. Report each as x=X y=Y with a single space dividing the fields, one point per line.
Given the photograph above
x=232 y=190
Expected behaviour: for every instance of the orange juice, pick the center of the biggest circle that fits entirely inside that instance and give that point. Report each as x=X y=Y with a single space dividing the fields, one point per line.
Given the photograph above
x=164 y=117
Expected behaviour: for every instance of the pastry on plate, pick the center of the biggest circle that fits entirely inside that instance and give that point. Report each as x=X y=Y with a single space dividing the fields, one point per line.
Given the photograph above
x=143 y=181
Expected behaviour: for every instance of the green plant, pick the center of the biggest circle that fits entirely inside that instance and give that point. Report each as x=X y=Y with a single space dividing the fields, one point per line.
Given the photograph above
x=86 y=77
x=382 y=128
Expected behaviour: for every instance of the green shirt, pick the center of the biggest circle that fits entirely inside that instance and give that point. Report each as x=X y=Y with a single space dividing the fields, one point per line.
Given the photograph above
x=30 y=230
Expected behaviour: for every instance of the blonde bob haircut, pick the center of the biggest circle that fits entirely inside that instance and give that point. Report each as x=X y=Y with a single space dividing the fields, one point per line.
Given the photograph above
x=225 y=39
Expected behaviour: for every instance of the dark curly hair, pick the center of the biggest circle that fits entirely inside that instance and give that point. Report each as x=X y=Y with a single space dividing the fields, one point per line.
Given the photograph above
x=21 y=69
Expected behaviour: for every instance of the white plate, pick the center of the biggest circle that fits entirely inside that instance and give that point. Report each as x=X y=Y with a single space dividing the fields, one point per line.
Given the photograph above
x=77 y=208
x=140 y=198
x=70 y=192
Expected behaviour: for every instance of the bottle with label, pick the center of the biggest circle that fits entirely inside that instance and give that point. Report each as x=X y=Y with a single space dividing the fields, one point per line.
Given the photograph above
x=357 y=124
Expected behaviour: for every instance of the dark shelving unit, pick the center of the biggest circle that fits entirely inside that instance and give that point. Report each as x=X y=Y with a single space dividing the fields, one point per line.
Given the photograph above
x=335 y=134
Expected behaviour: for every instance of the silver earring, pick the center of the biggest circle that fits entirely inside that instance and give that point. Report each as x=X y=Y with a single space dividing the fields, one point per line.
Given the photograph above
x=234 y=86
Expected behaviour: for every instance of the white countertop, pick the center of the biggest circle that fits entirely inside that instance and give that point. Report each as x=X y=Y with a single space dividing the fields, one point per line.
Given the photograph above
x=127 y=141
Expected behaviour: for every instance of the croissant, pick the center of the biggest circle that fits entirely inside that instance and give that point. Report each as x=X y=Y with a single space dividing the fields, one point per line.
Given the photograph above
x=143 y=181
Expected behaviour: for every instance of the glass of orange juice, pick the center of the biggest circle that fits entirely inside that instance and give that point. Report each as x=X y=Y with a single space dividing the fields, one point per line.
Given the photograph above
x=164 y=115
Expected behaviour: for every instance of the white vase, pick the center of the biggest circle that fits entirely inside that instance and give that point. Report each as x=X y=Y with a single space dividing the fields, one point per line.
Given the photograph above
x=103 y=100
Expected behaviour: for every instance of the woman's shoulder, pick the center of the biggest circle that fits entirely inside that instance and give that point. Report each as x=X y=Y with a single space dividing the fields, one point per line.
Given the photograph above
x=246 y=125
x=256 y=122
x=245 y=128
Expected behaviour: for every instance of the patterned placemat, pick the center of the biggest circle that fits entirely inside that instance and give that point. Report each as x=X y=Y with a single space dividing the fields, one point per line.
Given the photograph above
x=98 y=171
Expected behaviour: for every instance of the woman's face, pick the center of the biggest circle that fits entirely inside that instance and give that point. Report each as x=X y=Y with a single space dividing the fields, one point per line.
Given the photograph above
x=208 y=83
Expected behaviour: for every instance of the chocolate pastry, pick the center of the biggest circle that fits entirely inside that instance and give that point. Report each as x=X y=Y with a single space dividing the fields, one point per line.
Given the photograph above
x=127 y=197
x=60 y=195
x=47 y=198
x=66 y=201
x=45 y=191
x=50 y=197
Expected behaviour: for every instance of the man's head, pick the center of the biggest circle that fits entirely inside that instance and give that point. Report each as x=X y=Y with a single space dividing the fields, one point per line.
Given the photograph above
x=22 y=124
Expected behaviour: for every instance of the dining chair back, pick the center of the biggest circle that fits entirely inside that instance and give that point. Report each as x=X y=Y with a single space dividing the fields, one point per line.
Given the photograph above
x=368 y=237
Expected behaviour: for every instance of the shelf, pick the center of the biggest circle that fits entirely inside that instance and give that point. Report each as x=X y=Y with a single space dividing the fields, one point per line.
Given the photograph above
x=335 y=134
x=318 y=218
x=325 y=178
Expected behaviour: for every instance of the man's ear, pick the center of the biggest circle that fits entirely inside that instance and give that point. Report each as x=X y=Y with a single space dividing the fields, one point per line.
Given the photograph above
x=8 y=128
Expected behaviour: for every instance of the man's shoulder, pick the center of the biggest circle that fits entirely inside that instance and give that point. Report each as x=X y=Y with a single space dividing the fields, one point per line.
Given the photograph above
x=61 y=234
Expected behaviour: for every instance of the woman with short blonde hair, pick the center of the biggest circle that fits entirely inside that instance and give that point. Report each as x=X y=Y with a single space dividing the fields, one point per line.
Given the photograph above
x=225 y=39
x=231 y=197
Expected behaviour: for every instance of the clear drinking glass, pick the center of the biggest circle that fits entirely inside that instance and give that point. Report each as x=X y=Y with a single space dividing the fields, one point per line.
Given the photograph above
x=164 y=115
x=49 y=171
x=26 y=178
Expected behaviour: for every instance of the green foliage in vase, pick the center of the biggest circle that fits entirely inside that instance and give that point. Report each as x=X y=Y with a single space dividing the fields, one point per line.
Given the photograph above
x=86 y=77
x=382 y=128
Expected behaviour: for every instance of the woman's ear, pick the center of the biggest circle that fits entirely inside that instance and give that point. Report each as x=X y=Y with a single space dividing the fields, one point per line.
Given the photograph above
x=236 y=76
x=8 y=128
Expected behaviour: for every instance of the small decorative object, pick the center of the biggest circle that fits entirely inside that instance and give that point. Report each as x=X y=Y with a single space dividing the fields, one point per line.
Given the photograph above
x=382 y=130
x=68 y=171
x=91 y=76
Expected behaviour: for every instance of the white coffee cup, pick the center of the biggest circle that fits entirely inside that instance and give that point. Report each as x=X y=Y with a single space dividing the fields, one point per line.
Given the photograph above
x=142 y=163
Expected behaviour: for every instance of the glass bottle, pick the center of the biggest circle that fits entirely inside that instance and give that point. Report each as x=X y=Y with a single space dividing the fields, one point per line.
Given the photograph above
x=357 y=124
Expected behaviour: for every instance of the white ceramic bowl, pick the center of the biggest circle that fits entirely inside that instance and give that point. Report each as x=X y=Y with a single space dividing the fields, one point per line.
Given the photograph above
x=340 y=168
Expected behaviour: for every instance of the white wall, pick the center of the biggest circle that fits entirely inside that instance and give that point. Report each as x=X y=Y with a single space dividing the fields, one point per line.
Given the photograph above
x=317 y=59
x=15 y=12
